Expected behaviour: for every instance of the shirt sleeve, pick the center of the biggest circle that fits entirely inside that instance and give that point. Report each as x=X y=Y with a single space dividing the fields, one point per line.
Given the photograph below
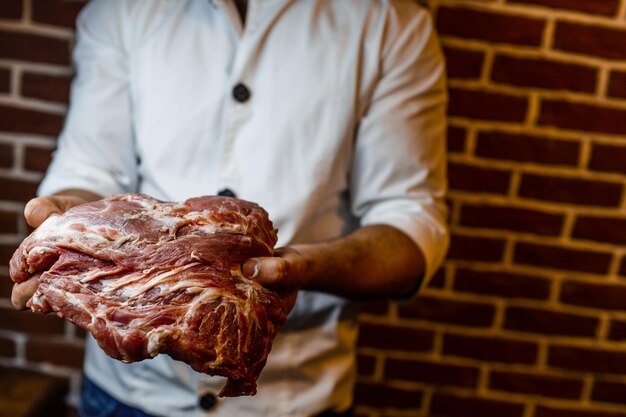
x=95 y=149
x=398 y=176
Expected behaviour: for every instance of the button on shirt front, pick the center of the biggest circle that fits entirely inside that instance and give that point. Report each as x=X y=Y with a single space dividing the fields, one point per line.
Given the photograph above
x=343 y=125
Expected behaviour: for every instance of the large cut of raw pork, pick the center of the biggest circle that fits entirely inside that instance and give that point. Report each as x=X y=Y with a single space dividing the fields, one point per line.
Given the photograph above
x=148 y=277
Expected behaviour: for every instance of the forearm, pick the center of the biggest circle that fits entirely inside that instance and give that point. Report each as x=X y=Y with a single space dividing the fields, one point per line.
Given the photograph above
x=375 y=261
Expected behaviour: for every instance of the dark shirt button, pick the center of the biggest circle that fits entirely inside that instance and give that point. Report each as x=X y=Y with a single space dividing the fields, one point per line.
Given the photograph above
x=226 y=192
x=208 y=401
x=241 y=93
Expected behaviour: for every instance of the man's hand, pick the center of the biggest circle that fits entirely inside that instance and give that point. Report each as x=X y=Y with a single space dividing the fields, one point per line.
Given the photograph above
x=373 y=262
x=36 y=212
x=285 y=272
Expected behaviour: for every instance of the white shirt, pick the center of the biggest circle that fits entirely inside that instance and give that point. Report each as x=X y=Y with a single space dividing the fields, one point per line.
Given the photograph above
x=344 y=126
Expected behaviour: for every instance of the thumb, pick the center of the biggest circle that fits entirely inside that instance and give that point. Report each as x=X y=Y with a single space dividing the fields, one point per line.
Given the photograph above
x=39 y=209
x=268 y=271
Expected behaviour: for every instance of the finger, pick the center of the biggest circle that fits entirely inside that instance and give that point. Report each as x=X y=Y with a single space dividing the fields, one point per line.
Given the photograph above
x=289 y=300
x=23 y=292
x=267 y=271
x=39 y=209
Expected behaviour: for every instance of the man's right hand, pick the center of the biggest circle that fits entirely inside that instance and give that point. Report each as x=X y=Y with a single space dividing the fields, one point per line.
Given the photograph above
x=36 y=212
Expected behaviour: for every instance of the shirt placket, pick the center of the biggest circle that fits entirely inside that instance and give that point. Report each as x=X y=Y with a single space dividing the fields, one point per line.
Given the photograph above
x=237 y=106
x=236 y=112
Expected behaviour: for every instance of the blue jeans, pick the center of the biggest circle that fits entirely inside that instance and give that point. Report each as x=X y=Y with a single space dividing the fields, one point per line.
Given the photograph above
x=95 y=402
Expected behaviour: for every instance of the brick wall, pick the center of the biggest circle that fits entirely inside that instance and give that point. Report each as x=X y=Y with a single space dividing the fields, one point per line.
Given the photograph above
x=528 y=316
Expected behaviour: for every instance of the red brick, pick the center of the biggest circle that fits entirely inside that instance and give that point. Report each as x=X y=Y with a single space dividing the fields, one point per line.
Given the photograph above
x=622 y=267
x=542 y=385
x=543 y=73
x=502 y=284
x=609 y=391
x=593 y=359
x=463 y=63
x=382 y=395
x=525 y=148
x=366 y=364
x=8 y=221
x=6 y=285
x=37 y=159
x=617 y=330
x=571 y=190
x=602 y=296
x=5 y=80
x=391 y=337
x=34 y=48
x=544 y=411
x=29 y=322
x=590 y=40
x=6 y=251
x=617 y=84
x=438 y=280
x=7 y=348
x=600 y=229
x=448 y=405
x=492 y=27
x=6 y=155
x=11 y=9
x=29 y=121
x=481 y=249
x=55 y=352
x=456 y=139
x=56 y=12
x=485 y=105
x=478 y=179
x=431 y=373
x=378 y=308
x=608 y=158
x=600 y=7
x=492 y=349
x=511 y=218
x=578 y=116
x=17 y=190
x=562 y=258
x=543 y=321
x=448 y=311
x=46 y=87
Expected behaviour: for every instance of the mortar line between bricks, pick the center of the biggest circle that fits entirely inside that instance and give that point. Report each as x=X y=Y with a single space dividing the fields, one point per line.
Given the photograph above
x=572 y=244
x=450 y=271
x=529 y=409
x=587 y=387
x=482 y=386
x=50 y=69
x=585 y=152
x=27 y=11
x=567 y=172
x=532 y=113
x=621 y=12
x=426 y=400
x=16 y=80
x=487 y=67
x=548 y=34
x=602 y=332
x=603 y=82
x=40 y=141
x=546 y=131
x=548 y=207
x=470 y=141
x=18 y=163
x=526 y=92
x=614 y=266
x=20 y=175
x=521 y=51
x=532 y=11
x=568 y=225
x=33 y=104
x=37 y=29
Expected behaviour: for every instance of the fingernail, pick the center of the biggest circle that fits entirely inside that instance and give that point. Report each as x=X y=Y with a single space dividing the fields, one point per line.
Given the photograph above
x=250 y=269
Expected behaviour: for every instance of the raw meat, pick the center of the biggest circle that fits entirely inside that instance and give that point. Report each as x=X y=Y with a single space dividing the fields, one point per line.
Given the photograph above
x=148 y=277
